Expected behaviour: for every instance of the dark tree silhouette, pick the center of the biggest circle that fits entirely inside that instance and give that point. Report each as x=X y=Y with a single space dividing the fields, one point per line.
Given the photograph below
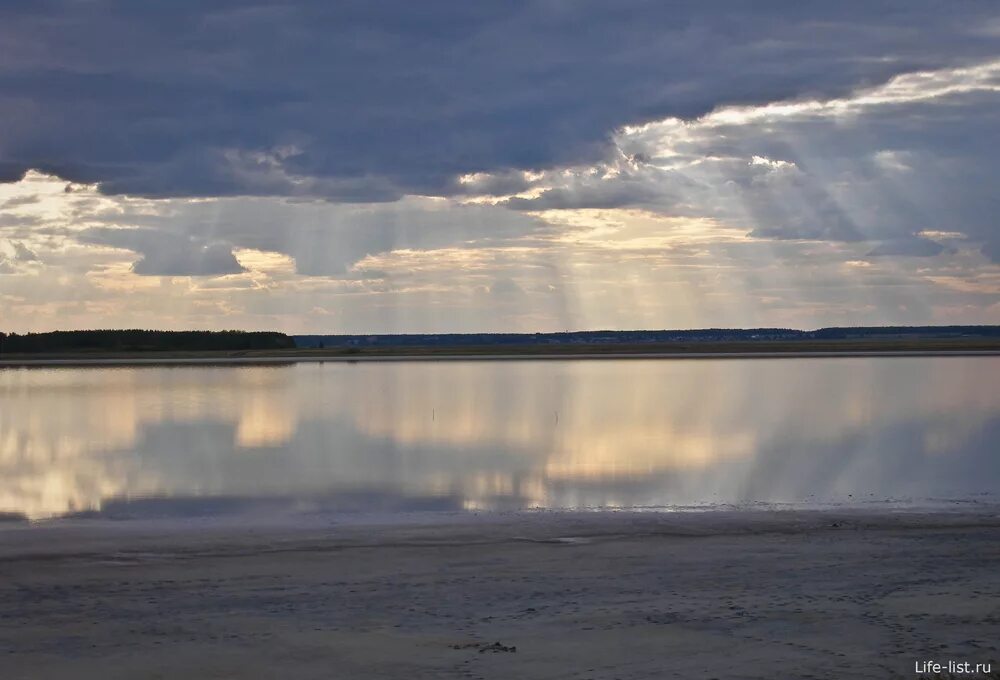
x=142 y=341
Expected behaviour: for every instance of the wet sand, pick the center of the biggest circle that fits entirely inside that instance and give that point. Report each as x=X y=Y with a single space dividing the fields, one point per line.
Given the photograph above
x=721 y=594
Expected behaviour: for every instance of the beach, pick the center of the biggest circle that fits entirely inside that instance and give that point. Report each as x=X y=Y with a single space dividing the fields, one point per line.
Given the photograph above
x=857 y=593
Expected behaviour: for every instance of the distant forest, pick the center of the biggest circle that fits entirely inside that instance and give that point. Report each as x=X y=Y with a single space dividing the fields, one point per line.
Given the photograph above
x=650 y=336
x=141 y=341
x=112 y=341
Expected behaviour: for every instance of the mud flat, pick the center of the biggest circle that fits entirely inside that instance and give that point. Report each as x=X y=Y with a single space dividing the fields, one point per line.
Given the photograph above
x=725 y=594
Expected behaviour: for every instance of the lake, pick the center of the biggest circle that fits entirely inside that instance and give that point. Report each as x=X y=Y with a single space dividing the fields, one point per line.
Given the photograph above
x=493 y=435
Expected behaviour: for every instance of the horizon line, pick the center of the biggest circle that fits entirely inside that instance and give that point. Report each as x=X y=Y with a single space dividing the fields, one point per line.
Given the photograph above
x=525 y=333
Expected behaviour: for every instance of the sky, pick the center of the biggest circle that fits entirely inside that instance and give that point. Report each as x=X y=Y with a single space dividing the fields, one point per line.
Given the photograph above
x=526 y=165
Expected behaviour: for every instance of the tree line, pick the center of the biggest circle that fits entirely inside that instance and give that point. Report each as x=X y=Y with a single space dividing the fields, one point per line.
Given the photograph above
x=135 y=340
x=646 y=336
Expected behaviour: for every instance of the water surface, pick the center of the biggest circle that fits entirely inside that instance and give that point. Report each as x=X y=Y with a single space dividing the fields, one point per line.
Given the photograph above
x=143 y=441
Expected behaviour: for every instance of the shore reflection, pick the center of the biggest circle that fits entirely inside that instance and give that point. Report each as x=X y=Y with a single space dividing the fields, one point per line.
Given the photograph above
x=500 y=434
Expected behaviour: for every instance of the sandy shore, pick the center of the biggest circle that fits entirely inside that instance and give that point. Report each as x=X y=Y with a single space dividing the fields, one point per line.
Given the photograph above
x=831 y=594
x=340 y=358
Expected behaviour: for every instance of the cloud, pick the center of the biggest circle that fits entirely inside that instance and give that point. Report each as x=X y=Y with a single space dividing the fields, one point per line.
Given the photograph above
x=588 y=191
x=165 y=254
x=505 y=287
x=14 y=255
x=18 y=201
x=324 y=239
x=912 y=247
x=361 y=102
x=991 y=249
x=876 y=164
x=23 y=253
x=527 y=165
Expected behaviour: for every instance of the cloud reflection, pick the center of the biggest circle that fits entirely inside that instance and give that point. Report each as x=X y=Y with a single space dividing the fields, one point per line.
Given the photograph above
x=504 y=434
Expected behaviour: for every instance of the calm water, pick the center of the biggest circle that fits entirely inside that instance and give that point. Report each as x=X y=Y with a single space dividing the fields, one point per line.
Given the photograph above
x=395 y=436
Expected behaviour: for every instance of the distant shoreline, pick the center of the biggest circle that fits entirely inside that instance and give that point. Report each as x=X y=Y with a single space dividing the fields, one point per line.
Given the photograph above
x=139 y=347
x=553 y=353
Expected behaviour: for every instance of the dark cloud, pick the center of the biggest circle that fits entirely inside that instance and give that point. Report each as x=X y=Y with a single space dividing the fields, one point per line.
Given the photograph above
x=166 y=254
x=365 y=101
x=911 y=247
x=11 y=171
x=991 y=249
